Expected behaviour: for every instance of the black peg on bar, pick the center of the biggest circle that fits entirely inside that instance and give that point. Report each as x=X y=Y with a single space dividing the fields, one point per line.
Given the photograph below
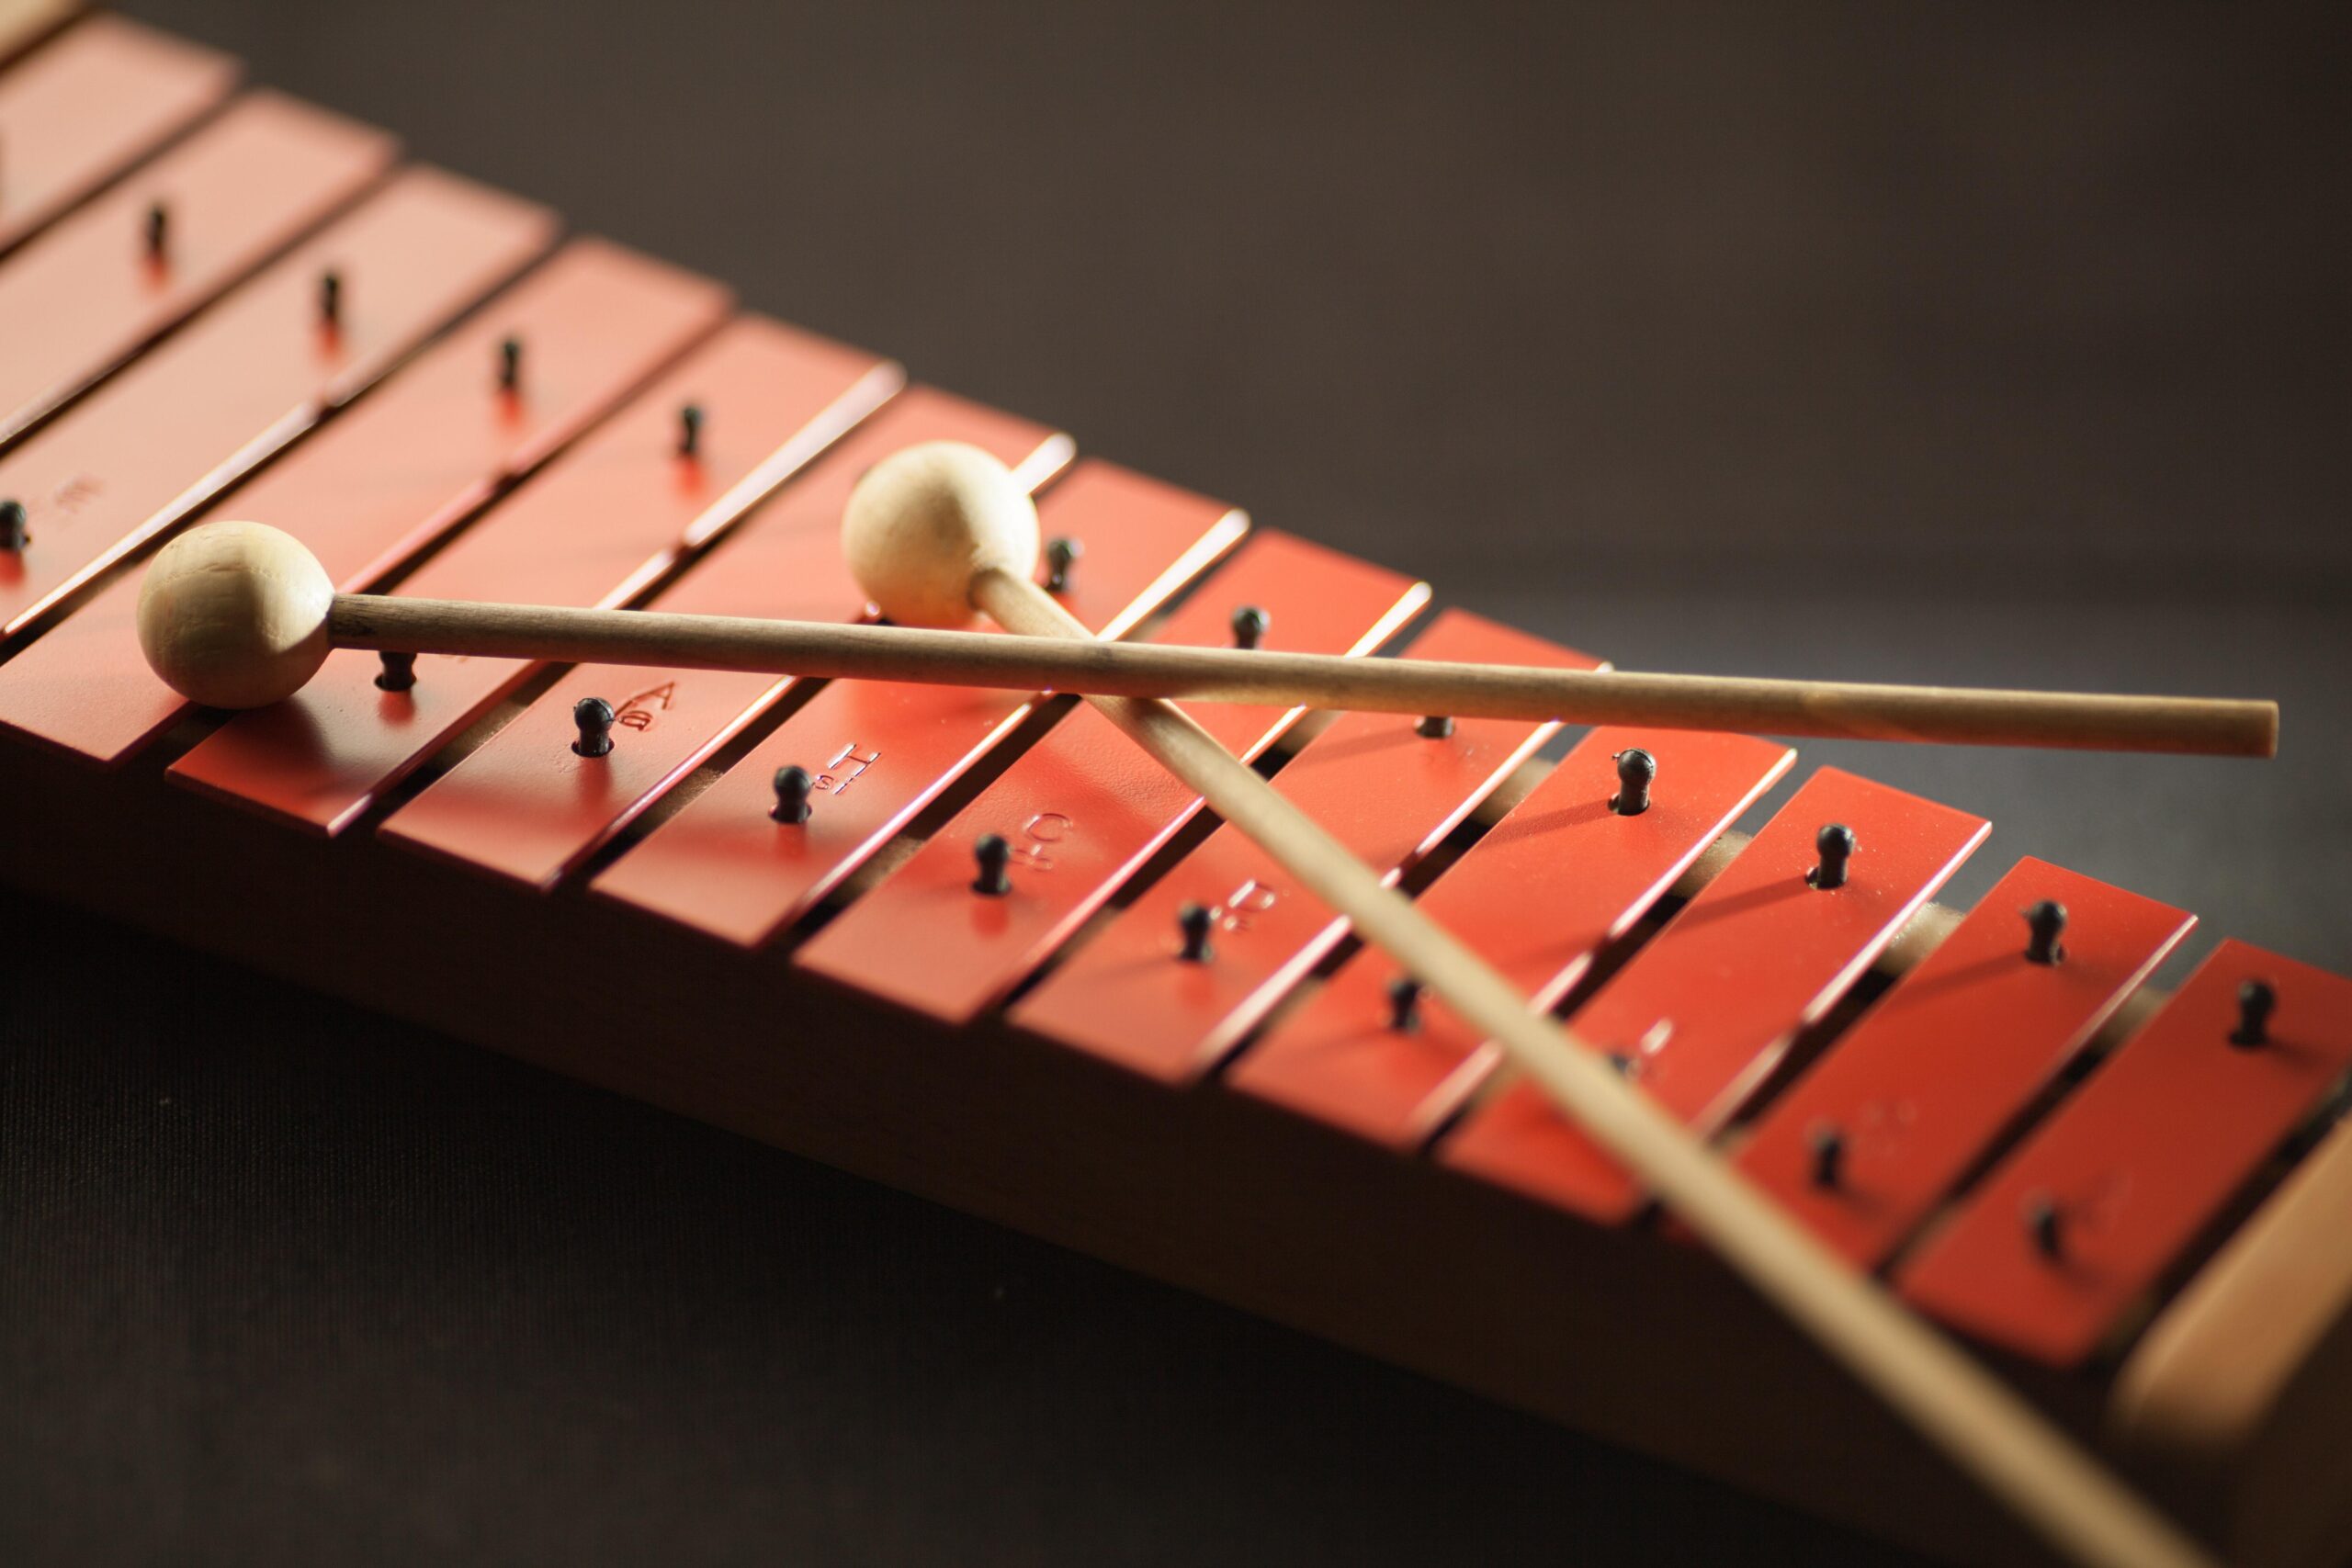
x=1196 y=921
x=993 y=853
x=690 y=431
x=1627 y=1067
x=792 y=785
x=1436 y=726
x=1836 y=845
x=1828 y=1147
x=1636 y=771
x=2256 y=1001
x=159 y=231
x=1060 y=555
x=510 y=364
x=2045 y=922
x=1250 y=623
x=594 y=718
x=14 y=536
x=399 y=673
x=2044 y=1224
x=1403 y=1004
x=331 y=299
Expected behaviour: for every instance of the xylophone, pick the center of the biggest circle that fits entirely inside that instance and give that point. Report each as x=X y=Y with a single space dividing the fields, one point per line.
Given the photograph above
x=971 y=942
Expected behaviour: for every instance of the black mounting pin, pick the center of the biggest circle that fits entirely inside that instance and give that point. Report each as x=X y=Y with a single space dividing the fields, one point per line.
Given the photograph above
x=1403 y=1004
x=14 y=536
x=1436 y=726
x=2256 y=1001
x=1250 y=623
x=1636 y=771
x=1836 y=846
x=1060 y=555
x=510 y=364
x=1196 y=921
x=2044 y=923
x=159 y=231
x=594 y=718
x=792 y=785
x=1627 y=1067
x=690 y=431
x=399 y=673
x=331 y=299
x=2044 y=1223
x=993 y=853
x=1828 y=1147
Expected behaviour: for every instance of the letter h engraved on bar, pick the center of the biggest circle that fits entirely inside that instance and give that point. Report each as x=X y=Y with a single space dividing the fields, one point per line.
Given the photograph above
x=1252 y=898
x=837 y=778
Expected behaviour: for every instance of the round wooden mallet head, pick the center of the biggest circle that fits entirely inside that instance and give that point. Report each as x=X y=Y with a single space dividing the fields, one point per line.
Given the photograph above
x=234 y=615
x=924 y=522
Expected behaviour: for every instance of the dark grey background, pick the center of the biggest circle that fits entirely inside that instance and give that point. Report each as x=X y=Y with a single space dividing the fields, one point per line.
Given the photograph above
x=1988 y=344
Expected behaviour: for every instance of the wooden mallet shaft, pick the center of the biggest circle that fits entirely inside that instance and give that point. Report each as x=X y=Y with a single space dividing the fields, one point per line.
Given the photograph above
x=1994 y=1435
x=1840 y=710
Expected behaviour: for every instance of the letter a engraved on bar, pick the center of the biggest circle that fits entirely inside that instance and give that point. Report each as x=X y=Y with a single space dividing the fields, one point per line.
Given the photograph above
x=1046 y=828
x=639 y=711
x=75 y=493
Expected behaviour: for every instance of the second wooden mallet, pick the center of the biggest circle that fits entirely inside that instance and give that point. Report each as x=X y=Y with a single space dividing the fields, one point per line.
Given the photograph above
x=238 y=615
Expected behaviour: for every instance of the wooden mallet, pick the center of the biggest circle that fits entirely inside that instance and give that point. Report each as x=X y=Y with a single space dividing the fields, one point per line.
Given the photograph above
x=936 y=532
x=238 y=615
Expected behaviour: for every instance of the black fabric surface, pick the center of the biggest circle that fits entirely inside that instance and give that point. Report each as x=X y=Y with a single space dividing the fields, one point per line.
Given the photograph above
x=1988 y=344
x=285 y=1282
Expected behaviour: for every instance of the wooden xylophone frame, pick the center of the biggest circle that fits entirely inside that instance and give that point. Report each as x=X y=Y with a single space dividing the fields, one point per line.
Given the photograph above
x=2228 y=1404
x=1616 y=1332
